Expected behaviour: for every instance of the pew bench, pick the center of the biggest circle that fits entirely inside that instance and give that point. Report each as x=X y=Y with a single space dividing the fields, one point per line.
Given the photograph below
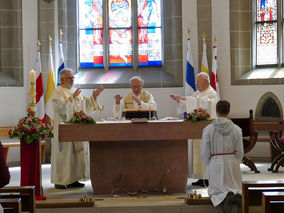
x=13 y=205
x=273 y=201
x=7 y=145
x=25 y=193
x=252 y=191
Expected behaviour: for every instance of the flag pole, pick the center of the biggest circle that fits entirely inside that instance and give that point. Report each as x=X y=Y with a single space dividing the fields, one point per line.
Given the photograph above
x=188 y=32
x=38 y=45
x=49 y=42
x=60 y=35
x=204 y=38
x=215 y=40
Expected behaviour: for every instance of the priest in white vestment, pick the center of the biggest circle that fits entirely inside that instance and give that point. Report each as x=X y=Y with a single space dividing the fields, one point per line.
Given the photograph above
x=70 y=160
x=206 y=97
x=137 y=99
x=222 y=151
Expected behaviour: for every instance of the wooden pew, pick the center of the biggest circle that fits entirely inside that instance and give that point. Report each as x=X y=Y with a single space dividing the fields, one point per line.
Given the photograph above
x=273 y=201
x=26 y=193
x=252 y=191
x=13 y=205
x=7 y=145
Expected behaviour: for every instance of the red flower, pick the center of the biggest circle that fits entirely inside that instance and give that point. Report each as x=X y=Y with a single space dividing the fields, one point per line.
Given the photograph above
x=30 y=128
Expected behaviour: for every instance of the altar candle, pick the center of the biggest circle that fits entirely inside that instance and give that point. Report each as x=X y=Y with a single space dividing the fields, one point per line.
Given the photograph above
x=33 y=91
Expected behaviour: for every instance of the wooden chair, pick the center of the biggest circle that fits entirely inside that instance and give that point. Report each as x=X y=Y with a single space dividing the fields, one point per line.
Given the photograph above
x=278 y=144
x=25 y=193
x=249 y=138
x=13 y=205
x=7 y=145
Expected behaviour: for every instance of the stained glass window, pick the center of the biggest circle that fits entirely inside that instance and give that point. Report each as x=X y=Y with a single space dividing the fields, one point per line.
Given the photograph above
x=149 y=33
x=91 y=33
x=120 y=34
x=266 y=32
x=266 y=10
x=110 y=42
x=267 y=43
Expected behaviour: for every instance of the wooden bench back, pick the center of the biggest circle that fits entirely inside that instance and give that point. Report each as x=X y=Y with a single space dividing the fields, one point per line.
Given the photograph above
x=4 y=130
x=26 y=193
x=13 y=205
x=252 y=191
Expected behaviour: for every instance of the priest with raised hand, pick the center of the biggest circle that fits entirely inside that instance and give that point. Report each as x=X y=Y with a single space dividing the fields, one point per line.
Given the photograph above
x=70 y=161
x=205 y=97
x=137 y=99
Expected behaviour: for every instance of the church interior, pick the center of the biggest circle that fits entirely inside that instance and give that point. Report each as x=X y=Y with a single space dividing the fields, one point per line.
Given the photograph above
x=249 y=84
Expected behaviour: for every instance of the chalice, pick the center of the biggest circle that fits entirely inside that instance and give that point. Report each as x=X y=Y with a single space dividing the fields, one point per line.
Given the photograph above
x=101 y=108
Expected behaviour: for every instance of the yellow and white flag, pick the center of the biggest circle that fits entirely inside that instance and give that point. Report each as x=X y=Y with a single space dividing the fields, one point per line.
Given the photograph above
x=50 y=84
x=204 y=63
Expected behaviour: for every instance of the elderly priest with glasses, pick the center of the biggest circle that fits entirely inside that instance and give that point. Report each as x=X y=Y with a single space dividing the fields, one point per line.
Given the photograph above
x=137 y=99
x=69 y=161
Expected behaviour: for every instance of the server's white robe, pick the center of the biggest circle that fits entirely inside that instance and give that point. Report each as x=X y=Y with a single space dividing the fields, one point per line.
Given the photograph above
x=69 y=160
x=199 y=170
x=149 y=105
x=224 y=173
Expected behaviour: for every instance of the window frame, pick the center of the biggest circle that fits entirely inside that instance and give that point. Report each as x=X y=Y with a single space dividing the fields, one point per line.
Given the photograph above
x=134 y=23
x=280 y=34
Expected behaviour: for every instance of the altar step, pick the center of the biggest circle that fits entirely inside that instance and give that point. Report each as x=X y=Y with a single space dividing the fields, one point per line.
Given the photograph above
x=183 y=208
x=171 y=204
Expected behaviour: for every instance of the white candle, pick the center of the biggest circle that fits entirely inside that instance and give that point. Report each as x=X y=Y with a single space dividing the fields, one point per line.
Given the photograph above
x=33 y=91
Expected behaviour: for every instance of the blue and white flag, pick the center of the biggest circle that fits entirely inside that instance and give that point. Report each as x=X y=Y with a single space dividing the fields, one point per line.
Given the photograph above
x=61 y=62
x=190 y=77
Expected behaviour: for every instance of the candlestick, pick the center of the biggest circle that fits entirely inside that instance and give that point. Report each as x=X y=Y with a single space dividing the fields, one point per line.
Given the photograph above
x=33 y=91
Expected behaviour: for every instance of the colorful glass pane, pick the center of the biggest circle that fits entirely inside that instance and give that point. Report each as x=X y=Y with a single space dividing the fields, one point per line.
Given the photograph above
x=149 y=13
x=149 y=47
x=266 y=10
x=120 y=47
x=90 y=14
x=119 y=13
x=266 y=43
x=91 y=48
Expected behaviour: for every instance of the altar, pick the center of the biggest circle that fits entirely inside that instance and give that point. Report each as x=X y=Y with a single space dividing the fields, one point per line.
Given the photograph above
x=127 y=157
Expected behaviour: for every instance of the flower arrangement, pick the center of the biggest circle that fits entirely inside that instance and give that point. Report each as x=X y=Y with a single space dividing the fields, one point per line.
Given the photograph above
x=81 y=118
x=31 y=128
x=198 y=114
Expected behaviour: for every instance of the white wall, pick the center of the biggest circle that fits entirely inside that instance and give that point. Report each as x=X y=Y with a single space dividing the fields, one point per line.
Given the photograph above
x=14 y=100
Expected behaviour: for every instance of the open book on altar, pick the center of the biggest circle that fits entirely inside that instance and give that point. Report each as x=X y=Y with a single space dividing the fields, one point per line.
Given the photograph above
x=194 y=103
x=130 y=114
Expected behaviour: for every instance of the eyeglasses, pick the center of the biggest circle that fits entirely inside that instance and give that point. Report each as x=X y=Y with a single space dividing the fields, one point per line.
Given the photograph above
x=136 y=87
x=70 y=78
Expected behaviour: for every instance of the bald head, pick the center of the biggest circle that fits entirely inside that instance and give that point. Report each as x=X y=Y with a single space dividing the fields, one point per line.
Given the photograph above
x=202 y=81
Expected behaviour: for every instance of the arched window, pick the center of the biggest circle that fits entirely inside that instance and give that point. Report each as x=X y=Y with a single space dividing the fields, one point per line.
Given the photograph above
x=120 y=33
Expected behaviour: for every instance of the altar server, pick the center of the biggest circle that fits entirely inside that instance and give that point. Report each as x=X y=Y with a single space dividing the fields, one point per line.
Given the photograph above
x=222 y=151
x=70 y=160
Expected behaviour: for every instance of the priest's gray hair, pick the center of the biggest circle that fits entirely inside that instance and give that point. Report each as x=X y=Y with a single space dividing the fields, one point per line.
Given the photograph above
x=205 y=76
x=136 y=77
x=64 y=71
